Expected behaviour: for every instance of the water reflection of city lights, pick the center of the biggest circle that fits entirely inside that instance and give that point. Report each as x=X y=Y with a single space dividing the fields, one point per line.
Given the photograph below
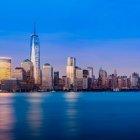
x=71 y=97
x=7 y=119
x=34 y=115
x=71 y=112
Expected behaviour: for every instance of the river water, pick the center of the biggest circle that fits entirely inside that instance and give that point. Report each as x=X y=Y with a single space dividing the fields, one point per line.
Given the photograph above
x=70 y=116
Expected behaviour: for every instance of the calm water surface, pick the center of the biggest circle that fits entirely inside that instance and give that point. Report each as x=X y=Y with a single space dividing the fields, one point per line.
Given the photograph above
x=70 y=116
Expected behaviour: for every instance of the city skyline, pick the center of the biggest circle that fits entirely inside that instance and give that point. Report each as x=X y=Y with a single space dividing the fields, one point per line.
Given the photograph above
x=61 y=68
x=26 y=78
x=69 y=69
x=97 y=33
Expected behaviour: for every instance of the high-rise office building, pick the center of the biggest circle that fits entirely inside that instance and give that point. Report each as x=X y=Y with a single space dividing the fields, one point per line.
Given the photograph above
x=56 y=80
x=90 y=72
x=79 y=78
x=85 y=73
x=65 y=83
x=19 y=73
x=5 y=67
x=70 y=70
x=115 y=80
x=102 y=78
x=122 y=82
x=85 y=79
x=90 y=77
x=47 y=77
x=35 y=56
x=134 y=80
x=27 y=65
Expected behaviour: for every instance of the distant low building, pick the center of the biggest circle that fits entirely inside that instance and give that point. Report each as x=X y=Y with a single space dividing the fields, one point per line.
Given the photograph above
x=9 y=84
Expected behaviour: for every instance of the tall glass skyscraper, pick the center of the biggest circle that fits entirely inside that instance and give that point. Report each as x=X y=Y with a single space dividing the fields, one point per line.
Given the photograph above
x=70 y=70
x=35 y=56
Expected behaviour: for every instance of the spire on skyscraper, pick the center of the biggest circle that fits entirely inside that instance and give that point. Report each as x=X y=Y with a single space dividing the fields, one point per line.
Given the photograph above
x=34 y=29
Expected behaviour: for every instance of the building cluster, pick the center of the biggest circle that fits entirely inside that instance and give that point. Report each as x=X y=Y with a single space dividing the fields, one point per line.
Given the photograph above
x=29 y=76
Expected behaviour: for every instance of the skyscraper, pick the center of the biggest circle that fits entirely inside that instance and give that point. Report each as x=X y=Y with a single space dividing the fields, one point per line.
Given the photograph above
x=56 y=80
x=90 y=72
x=19 y=73
x=5 y=68
x=79 y=78
x=90 y=77
x=47 y=77
x=115 y=80
x=35 y=56
x=134 y=80
x=70 y=70
x=102 y=78
x=27 y=65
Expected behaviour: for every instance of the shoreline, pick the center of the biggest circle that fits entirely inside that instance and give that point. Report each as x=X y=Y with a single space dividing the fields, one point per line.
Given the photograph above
x=99 y=91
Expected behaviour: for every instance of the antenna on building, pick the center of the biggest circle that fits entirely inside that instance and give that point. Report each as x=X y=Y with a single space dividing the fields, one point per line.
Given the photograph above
x=34 y=28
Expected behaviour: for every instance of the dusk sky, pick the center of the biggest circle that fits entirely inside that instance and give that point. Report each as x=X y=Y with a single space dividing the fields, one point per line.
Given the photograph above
x=97 y=32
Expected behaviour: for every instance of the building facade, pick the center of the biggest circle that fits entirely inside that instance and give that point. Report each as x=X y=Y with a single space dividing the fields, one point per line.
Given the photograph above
x=79 y=78
x=9 y=84
x=134 y=80
x=90 y=72
x=65 y=83
x=56 y=80
x=102 y=78
x=35 y=57
x=5 y=68
x=70 y=70
x=47 y=77
x=19 y=74
x=27 y=65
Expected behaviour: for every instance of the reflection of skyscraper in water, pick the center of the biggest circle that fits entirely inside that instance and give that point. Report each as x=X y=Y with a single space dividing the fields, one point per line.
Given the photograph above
x=35 y=56
x=34 y=114
x=71 y=115
x=7 y=118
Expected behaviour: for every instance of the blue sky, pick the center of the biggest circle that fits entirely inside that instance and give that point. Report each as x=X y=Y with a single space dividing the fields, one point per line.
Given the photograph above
x=97 y=32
